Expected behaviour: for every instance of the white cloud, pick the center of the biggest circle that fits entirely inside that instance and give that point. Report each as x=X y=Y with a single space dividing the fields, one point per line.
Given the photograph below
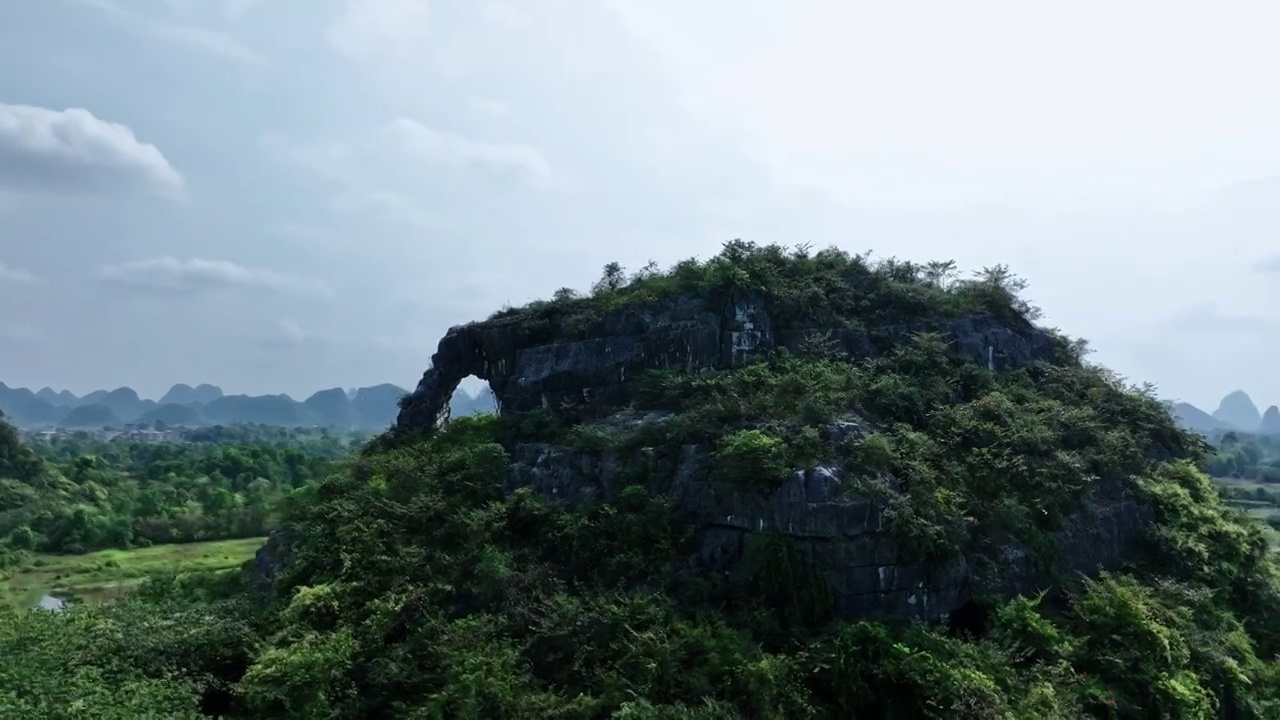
x=398 y=173
x=18 y=276
x=238 y=9
x=489 y=106
x=391 y=205
x=379 y=28
x=927 y=103
x=211 y=42
x=229 y=9
x=506 y=15
x=199 y=275
x=21 y=334
x=208 y=41
x=449 y=149
x=292 y=332
x=1269 y=264
x=1207 y=317
x=60 y=149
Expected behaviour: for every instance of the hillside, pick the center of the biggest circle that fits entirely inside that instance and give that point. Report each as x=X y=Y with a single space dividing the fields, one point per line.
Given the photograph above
x=1193 y=418
x=769 y=485
x=366 y=408
x=722 y=491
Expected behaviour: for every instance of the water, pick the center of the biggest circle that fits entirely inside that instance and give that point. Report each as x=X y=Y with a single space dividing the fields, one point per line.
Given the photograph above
x=51 y=603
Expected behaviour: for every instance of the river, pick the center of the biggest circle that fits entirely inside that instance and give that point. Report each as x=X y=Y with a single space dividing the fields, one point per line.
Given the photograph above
x=52 y=603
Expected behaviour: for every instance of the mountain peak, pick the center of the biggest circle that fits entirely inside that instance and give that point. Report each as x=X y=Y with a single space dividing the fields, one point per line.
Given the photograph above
x=184 y=394
x=1237 y=409
x=373 y=407
x=1270 y=421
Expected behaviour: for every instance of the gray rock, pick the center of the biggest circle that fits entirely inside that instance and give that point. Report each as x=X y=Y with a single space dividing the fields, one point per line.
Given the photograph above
x=566 y=359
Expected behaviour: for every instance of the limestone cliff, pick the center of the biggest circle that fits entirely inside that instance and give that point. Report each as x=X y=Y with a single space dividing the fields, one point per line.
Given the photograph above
x=568 y=361
x=583 y=365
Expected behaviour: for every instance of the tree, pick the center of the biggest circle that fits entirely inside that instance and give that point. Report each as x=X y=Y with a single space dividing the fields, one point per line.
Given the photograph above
x=611 y=280
x=564 y=294
x=940 y=272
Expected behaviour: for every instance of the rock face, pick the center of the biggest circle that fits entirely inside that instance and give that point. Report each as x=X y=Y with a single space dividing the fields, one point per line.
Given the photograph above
x=845 y=534
x=267 y=561
x=585 y=364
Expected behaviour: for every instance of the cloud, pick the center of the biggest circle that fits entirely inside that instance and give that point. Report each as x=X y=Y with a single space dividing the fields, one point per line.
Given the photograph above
x=403 y=172
x=168 y=274
x=1269 y=264
x=210 y=42
x=1206 y=317
x=21 y=335
x=379 y=28
x=18 y=276
x=292 y=333
x=488 y=106
x=444 y=148
x=238 y=9
x=63 y=149
x=867 y=100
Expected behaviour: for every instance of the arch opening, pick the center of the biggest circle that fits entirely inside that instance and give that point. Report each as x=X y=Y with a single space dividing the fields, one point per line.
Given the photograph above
x=472 y=396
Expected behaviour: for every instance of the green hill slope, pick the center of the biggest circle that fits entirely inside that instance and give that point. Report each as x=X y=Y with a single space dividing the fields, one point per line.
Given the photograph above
x=683 y=540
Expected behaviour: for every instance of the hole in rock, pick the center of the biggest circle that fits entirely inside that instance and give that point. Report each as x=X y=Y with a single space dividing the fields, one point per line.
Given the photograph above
x=972 y=619
x=472 y=396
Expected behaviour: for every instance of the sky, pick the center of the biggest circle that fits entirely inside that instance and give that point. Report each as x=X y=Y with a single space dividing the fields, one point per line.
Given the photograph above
x=290 y=195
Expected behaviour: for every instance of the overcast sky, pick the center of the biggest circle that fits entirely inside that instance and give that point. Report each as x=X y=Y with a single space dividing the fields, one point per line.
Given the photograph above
x=289 y=195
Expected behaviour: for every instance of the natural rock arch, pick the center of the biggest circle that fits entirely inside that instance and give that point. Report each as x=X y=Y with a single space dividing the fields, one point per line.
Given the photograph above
x=585 y=360
x=461 y=354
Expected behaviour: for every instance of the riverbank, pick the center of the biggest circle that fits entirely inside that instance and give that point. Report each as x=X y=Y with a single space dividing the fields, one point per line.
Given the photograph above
x=98 y=576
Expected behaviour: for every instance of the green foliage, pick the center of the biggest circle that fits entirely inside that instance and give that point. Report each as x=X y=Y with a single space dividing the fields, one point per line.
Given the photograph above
x=753 y=458
x=89 y=495
x=1252 y=457
x=46 y=683
x=823 y=289
x=169 y=657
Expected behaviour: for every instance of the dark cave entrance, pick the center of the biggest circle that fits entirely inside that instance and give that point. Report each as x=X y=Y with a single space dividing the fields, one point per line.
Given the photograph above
x=971 y=620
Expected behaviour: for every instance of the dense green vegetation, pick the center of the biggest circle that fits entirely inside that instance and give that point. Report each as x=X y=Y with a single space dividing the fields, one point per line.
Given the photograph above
x=1247 y=468
x=1245 y=456
x=220 y=483
x=415 y=587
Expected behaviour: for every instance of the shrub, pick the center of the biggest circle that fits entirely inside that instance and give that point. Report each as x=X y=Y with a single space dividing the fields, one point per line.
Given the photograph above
x=753 y=458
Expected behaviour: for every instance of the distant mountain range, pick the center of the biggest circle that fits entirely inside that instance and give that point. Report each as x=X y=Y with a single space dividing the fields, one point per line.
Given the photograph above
x=364 y=408
x=1237 y=412
x=376 y=408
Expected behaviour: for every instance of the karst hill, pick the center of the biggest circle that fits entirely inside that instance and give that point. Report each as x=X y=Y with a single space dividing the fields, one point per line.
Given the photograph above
x=915 y=436
x=728 y=490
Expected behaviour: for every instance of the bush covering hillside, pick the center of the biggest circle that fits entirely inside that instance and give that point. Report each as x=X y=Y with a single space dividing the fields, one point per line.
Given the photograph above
x=422 y=584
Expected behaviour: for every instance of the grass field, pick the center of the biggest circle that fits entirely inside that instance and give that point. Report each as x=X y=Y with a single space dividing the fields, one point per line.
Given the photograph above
x=1246 y=484
x=109 y=573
